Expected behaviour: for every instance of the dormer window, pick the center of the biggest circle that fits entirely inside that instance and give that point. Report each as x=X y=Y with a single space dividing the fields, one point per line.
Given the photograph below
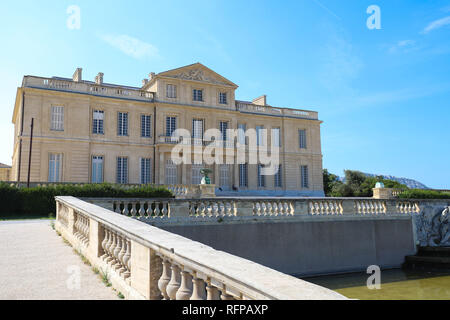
x=197 y=95
x=223 y=98
x=171 y=91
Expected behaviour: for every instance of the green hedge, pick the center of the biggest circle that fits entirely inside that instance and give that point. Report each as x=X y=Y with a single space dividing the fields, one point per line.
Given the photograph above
x=40 y=201
x=424 y=194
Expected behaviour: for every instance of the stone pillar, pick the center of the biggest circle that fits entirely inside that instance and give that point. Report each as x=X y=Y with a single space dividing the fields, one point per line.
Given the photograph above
x=382 y=193
x=162 y=167
x=179 y=209
x=348 y=206
x=207 y=191
x=96 y=234
x=244 y=208
x=301 y=207
x=71 y=219
x=146 y=269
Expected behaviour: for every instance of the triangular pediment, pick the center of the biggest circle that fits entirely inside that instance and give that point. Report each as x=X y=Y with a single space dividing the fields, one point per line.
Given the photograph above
x=197 y=72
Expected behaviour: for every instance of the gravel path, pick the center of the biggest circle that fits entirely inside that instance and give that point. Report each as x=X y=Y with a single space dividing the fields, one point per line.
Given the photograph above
x=36 y=264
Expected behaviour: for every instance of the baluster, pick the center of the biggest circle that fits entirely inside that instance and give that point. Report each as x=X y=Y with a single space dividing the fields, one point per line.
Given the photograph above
x=225 y=296
x=122 y=252
x=185 y=291
x=116 y=263
x=199 y=290
x=133 y=209
x=107 y=244
x=165 y=279
x=125 y=208
x=127 y=260
x=212 y=293
x=111 y=248
x=175 y=282
x=141 y=212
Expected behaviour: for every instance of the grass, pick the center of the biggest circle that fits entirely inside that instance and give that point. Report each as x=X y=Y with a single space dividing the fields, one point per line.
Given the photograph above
x=25 y=218
x=120 y=295
x=83 y=258
x=105 y=278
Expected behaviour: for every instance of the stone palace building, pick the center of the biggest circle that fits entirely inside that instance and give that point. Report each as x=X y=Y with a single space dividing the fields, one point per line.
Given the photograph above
x=91 y=131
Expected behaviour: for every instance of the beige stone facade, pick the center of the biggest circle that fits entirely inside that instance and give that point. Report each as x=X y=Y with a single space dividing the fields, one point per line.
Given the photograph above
x=91 y=131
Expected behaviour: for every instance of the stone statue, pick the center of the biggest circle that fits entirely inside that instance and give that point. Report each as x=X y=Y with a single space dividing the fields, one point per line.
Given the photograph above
x=434 y=228
x=206 y=172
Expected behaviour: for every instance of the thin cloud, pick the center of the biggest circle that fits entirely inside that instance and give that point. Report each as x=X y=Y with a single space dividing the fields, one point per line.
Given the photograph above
x=437 y=24
x=403 y=46
x=131 y=46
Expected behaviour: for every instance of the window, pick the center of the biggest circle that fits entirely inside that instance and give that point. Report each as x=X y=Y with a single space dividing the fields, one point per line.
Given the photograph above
x=122 y=170
x=304 y=175
x=242 y=128
x=243 y=175
x=259 y=136
x=224 y=171
x=57 y=121
x=146 y=126
x=197 y=95
x=302 y=138
x=223 y=98
x=261 y=177
x=196 y=177
x=54 y=167
x=122 y=124
x=171 y=91
x=97 y=169
x=276 y=138
x=171 y=173
x=171 y=125
x=97 y=122
x=197 y=130
x=146 y=169
x=223 y=125
x=278 y=183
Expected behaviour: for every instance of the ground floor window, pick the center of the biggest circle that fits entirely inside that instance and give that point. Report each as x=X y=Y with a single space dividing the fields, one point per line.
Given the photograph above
x=171 y=173
x=146 y=170
x=97 y=169
x=224 y=172
x=196 y=176
x=261 y=177
x=278 y=183
x=122 y=170
x=55 y=167
x=243 y=175
x=304 y=175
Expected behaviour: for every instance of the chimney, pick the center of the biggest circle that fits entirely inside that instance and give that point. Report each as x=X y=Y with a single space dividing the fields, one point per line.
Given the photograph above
x=151 y=75
x=144 y=82
x=260 y=101
x=99 y=78
x=77 y=76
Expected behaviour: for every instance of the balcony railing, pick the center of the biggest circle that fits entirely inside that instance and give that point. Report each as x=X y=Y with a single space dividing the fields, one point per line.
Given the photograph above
x=253 y=108
x=196 y=141
x=88 y=88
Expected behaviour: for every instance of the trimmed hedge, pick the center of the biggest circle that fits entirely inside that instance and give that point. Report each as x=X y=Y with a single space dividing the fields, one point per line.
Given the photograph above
x=424 y=194
x=40 y=201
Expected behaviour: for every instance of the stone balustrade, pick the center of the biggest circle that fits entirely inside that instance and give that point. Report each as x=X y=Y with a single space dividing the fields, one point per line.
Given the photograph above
x=295 y=113
x=129 y=93
x=145 y=262
x=210 y=209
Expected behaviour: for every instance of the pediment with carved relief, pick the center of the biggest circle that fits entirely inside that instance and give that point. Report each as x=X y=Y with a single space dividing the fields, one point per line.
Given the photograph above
x=198 y=72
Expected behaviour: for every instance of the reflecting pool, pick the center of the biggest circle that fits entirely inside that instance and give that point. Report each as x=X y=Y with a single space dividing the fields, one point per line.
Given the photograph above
x=396 y=284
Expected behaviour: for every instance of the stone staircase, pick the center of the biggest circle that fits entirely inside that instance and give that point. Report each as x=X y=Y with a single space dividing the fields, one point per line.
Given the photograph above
x=429 y=258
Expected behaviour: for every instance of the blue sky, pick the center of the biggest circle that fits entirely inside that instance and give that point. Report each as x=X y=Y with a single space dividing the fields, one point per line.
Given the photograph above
x=383 y=94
